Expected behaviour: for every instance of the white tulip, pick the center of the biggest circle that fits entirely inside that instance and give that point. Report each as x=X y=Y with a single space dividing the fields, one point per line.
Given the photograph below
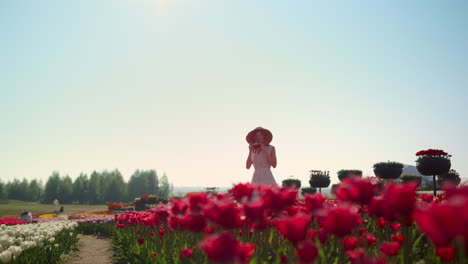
x=16 y=251
x=5 y=256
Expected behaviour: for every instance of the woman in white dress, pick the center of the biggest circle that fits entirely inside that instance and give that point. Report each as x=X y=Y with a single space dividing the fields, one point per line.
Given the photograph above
x=262 y=155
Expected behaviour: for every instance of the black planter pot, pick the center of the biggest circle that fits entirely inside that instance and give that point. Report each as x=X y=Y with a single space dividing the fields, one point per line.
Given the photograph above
x=388 y=173
x=433 y=166
x=451 y=181
x=319 y=182
x=306 y=191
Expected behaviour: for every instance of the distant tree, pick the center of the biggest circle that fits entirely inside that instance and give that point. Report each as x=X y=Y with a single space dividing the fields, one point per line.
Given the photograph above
x=52 y=187
x=23 y=191
x=97 y=189
x=12 y=187
x=104 y=185
x=80 y=189
x=116 y=189
x=94 y=188
x=147 y=182
x=35 y=191
x=165 y=188
x=136 y=184
x=3 y=191
x=65 y=190
x=152 y=182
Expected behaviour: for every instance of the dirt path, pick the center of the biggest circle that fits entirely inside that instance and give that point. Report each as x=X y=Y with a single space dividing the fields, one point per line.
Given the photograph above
x=92 y=250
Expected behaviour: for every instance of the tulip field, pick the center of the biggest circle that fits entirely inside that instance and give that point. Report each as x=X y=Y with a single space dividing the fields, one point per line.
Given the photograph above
x=363 y=223
x=36 y=243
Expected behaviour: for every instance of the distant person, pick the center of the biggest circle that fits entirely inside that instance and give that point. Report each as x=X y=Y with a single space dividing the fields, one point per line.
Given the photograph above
x=262 y=155
x=26 y=216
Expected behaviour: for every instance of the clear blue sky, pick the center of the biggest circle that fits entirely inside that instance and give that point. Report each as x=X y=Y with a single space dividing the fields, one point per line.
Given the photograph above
x=176 y=85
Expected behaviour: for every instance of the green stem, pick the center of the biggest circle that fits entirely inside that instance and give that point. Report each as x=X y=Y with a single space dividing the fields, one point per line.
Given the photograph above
x=407 y=244
x=461 y=252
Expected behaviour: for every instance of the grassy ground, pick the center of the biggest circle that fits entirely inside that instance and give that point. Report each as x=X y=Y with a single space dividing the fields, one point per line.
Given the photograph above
x=15 y=208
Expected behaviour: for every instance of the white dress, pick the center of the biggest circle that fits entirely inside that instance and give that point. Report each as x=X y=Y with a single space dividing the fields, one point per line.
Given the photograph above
x=262 y=173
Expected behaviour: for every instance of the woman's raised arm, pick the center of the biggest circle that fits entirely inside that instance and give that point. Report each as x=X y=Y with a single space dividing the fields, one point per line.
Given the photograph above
x=248 y=163
x=272 y=157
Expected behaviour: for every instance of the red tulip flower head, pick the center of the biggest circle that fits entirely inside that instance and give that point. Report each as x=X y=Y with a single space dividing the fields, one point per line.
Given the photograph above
x=294 y=228
x=390 y=248
x=306 y=252
x=224 y=248
x=340 y=220
x=356 y=190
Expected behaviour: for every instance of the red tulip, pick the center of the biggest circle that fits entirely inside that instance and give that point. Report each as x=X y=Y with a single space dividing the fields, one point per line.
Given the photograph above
x=242 y=190
x=154 y=255
x=179 y=206
x=397 y=202
x=356 y=190
x=443 y=222
x=254 y=211
x=314 y=202
x=292 y=210
x=148 y=219
x=446 y=254
x=225 y=248
x=161 y=212
x=225 y=213
x=294 y=228
x=185 y=253
x=454 y=192
x=395 y=227
x=306 y=252
x=427 y=197
x=197 y=201
x=208 y=230
x=355 y=254
x=276 y=199
x=193 y=223
x=151 y=233
x=397 y=238
x=173 y=222
x=359 y=221
x=381 y=223
x=323 y=235
x=141 y=240
x=339 y=221
x=362 y=231
x=311 y=235
x=390 y=248
x=370 y=239
x=350 y=243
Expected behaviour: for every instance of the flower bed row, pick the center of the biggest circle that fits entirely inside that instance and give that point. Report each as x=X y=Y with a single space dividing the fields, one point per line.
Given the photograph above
x=12 y=221
x=36 y=243
x=364 y=225
x=90 y=214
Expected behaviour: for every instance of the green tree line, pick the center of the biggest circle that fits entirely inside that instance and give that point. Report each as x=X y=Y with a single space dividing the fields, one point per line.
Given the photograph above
x=97 y=188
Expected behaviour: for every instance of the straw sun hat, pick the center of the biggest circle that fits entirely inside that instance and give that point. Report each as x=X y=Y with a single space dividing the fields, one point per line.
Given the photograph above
x=266 y=135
